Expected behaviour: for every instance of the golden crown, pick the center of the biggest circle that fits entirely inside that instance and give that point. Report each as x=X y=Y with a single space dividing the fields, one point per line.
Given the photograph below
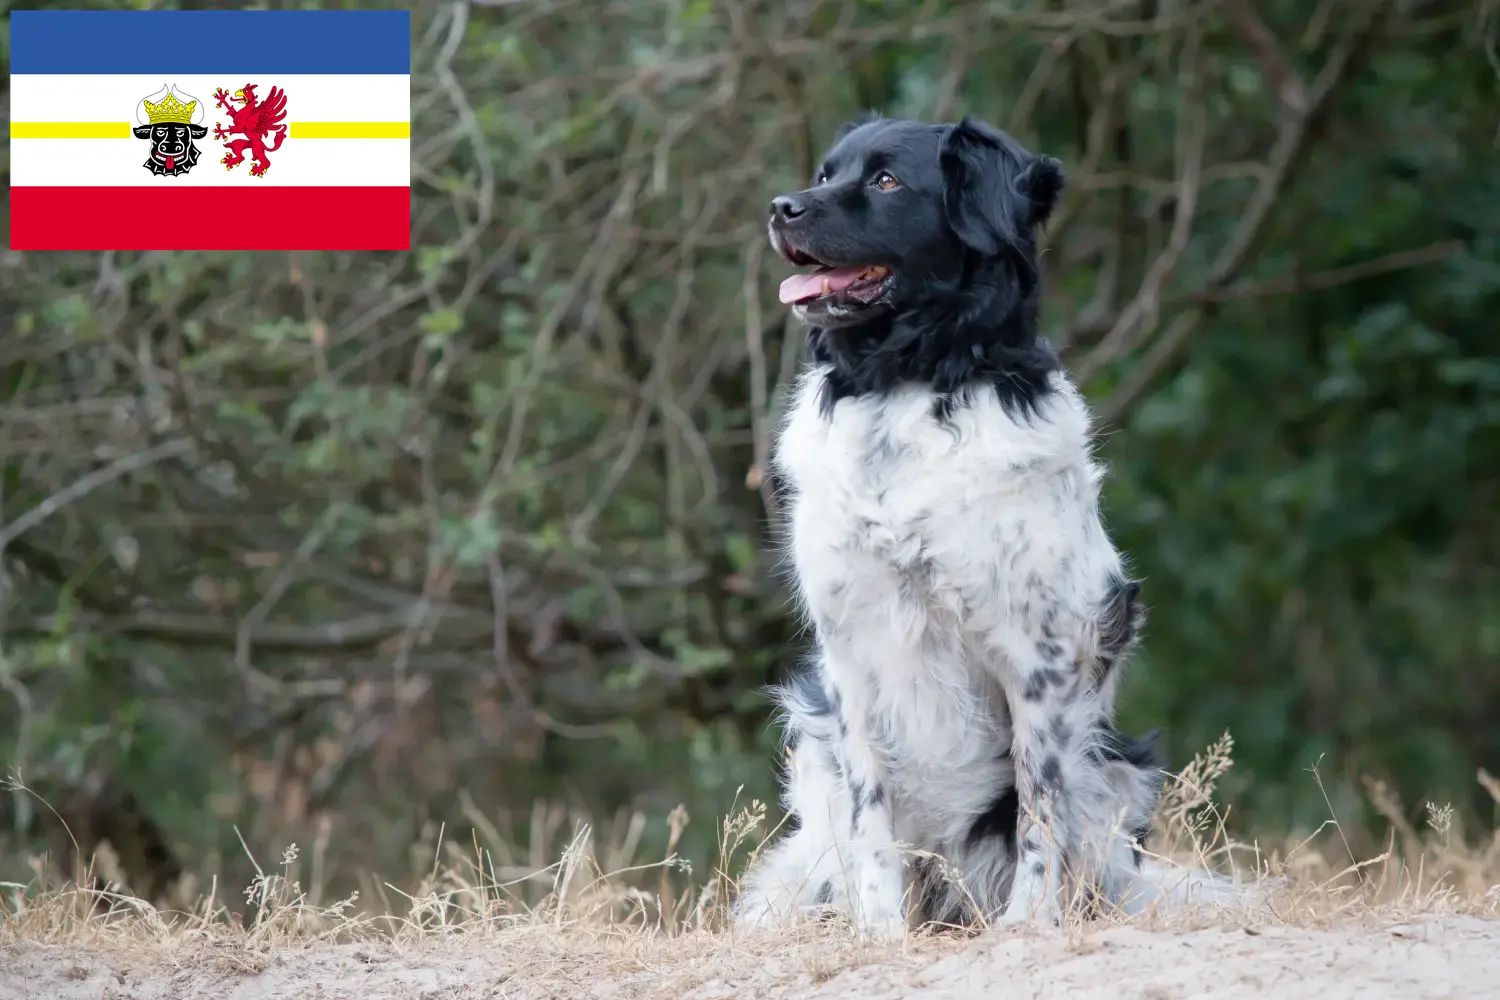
x=170 y=109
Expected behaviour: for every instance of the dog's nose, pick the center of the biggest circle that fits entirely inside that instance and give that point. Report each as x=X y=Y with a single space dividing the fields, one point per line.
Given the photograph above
x=786 y=208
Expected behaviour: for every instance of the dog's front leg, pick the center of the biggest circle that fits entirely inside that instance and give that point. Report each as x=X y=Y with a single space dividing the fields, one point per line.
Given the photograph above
x=870 y=858
x=876 y=882
x=1050 y=716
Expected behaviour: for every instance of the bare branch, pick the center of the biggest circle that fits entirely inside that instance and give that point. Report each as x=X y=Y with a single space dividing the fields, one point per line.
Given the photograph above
x=84 y=485
x=1278 y=73
x=1157 y=357
x=1319 y=280
x=190 y=629
x=1143 y=309
x=1285 y=154
x=255 y=618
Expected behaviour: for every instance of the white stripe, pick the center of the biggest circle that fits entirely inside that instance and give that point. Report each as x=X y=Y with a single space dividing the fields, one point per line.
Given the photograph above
x=110 y=162
x=310 y=98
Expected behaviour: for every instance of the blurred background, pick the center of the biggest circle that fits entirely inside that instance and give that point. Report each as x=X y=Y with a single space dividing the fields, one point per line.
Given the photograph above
x=360 y=550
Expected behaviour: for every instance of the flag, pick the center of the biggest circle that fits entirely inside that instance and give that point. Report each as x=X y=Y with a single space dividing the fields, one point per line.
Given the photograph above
x=210 y=130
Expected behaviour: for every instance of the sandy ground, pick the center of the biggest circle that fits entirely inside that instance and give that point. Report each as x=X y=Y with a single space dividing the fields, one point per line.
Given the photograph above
x=1449 y=957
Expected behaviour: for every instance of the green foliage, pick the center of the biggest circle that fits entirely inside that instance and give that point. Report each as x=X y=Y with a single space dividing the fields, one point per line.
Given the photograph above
x=544 y=417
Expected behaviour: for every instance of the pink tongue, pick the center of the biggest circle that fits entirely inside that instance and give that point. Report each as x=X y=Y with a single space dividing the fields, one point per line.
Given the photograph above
x=171 y=162
x=809 y=286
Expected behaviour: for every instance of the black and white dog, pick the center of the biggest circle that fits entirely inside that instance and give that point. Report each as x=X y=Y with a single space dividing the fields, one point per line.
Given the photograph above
x=970 y=611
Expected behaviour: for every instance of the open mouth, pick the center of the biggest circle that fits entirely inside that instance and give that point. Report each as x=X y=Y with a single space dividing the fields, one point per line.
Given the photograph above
x=861 y=284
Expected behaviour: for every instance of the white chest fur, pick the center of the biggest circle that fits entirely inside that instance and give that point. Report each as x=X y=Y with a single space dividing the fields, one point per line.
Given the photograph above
x=966 y=508
x=922 y=544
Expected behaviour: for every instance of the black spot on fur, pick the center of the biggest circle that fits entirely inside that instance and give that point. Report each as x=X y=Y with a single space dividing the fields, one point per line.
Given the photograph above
x=1121 y=618
x=1036 y=687
x=825 y=893
x=805 y=690
x=1040 y=680
x=831 y=759
x=943 y=407
x=1138 y=752
x=1049 y=617
x=1052 y=772
x=1049 y=650
x=999 y=820
x=1123 y=615
x=1039 y=869
x=877 y=795
x=1061 y=731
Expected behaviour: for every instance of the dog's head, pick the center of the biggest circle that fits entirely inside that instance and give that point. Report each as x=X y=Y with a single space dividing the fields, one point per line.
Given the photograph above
x=898 y=212
x=920 y=239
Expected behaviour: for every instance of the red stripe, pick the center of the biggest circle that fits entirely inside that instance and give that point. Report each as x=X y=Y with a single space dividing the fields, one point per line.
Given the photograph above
x=210 y=218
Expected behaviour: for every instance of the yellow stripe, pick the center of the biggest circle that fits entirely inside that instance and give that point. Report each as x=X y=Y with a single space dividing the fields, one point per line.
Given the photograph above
x=70 y=130
x=351 y=130
x=299 y=130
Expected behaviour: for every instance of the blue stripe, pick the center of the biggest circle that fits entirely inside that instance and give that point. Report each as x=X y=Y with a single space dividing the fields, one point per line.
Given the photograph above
x=238 y=42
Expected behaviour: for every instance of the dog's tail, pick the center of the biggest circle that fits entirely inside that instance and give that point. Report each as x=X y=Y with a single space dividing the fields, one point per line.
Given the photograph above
x=1160 y=885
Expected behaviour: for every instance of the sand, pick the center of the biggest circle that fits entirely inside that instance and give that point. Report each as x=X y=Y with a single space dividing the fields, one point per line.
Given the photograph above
x=1430 y=957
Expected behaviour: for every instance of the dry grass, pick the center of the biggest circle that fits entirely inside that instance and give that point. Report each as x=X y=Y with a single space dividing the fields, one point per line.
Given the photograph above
x=596 y=923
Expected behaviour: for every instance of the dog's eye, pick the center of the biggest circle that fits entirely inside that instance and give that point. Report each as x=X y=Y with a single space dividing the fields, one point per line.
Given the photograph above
x=822 y=178
x=885 y=182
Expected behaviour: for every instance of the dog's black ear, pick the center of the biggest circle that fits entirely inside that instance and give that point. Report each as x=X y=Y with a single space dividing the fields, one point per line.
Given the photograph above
x=994 y=192
x=1042 y=182
x=866 y=117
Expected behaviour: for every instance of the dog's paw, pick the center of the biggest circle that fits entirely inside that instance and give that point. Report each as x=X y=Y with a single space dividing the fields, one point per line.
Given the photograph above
x=1034 y=905
x=761 y=911
x=881 y=921
x=883 y=928
x=1041 y=916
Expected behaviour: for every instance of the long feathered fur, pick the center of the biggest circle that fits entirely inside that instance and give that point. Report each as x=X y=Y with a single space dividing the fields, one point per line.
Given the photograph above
x=969 y=611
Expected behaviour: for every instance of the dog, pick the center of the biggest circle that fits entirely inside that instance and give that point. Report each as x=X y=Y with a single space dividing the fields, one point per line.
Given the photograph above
x=969 y=612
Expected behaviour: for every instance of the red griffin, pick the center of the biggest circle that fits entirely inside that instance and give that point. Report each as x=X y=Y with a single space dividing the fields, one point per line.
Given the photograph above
x=255 y=121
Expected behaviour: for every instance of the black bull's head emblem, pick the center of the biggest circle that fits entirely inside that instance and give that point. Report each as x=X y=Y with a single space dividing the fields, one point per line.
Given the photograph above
x=172 y=149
